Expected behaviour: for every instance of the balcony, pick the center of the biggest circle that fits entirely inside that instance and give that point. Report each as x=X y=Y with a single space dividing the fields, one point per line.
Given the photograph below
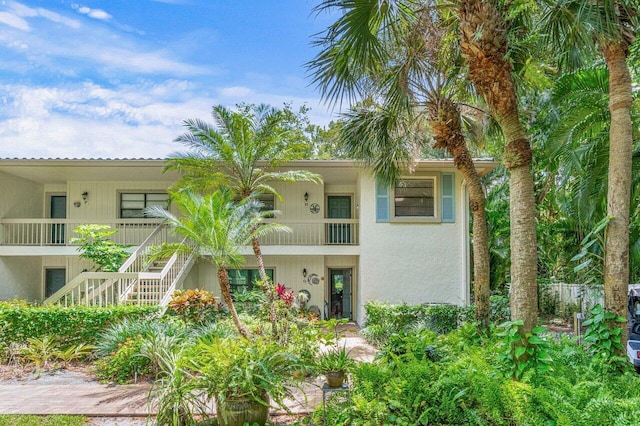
x=58 y=232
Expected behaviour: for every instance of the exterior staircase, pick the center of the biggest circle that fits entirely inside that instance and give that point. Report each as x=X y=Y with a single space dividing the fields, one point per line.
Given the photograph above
x=138 y=281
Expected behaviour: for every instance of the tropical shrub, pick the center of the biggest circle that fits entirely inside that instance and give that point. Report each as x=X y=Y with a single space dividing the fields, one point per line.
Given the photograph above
x=603 y=338
x=197 y=306
x=239 y=368
x=134 y=347
x=124 y=363
x=524 y=351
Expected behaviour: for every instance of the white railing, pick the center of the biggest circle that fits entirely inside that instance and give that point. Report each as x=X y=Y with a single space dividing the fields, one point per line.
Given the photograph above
x=316 y=233
x=155 y=288
x=137 y=262
x=93 y=288
x=59 y=232
x=132 y=284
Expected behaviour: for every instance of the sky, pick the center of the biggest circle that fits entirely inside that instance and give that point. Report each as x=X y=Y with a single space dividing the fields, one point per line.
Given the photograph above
x=116 y=78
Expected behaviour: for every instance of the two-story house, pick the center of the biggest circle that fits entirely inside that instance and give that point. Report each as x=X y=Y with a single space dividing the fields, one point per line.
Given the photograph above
x=352 y=240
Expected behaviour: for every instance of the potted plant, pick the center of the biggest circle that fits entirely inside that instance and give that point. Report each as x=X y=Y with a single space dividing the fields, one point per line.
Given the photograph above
x=335 y=363
x=244 y=377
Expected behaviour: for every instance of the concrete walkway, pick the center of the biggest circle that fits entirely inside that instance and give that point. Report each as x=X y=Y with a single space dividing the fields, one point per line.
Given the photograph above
x=64 y=392
x=98 y=400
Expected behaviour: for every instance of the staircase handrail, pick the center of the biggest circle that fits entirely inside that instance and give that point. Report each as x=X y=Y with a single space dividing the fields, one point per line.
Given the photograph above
x=140 y=249
x=84 y=277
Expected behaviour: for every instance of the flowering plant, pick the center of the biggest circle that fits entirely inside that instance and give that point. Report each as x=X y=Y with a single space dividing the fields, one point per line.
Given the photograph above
x=285 y=295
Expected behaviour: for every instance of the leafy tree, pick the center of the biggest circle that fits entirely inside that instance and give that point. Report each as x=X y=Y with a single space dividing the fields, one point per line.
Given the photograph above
x=96 y=246
x=220 y=228
x=239 y=152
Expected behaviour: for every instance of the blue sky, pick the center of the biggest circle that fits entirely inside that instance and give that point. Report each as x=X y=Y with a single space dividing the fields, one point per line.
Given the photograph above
x=115 y=79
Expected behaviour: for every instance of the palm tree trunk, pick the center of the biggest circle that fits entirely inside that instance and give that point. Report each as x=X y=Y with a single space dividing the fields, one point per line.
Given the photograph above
x=269 y=288
x=446 y=128
x=484 y=46
x=225 y=289
x=616 y=263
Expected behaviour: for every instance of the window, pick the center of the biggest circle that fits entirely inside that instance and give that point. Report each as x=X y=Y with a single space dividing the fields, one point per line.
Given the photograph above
x=132 y=204
x=414 y=198
x=245 y=279
x=429 y=198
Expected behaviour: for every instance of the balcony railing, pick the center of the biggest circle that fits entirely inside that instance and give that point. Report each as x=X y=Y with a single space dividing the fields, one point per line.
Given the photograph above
x=316 y=233
x=59 y=232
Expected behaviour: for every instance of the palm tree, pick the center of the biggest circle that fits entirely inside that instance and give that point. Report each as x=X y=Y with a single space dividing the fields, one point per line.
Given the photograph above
x=483 y=43
x=393 y=53
x=239 y=152
x=610 y=27
x=220 y=228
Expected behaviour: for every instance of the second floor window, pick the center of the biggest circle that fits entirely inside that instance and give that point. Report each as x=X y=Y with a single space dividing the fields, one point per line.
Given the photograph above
x=414 y=198
x=132 y=204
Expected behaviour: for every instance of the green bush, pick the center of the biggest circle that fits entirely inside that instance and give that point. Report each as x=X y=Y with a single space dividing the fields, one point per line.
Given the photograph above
x=385 y=319
x=76 y=324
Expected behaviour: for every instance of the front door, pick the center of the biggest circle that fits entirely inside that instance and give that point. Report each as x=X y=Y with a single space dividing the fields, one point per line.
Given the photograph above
x=340 y=293
x=339 y=207
x=58 y=210
x=55 y=279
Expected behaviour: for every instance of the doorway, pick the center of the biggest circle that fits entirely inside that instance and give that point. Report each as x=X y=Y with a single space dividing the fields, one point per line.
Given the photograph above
x=54 y=280
x=58 y=210
x=339 y=207
x=340 y=293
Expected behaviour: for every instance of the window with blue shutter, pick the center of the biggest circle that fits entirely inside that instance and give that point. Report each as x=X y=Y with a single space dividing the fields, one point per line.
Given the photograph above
x=382 y=202
x=447 y=197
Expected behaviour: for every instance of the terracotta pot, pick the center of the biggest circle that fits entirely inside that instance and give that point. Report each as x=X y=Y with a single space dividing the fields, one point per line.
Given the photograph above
x=239 y=411
x=335 y=379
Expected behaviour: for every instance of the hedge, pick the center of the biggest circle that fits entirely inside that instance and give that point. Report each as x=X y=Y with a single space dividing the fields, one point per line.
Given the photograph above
x=72 y=325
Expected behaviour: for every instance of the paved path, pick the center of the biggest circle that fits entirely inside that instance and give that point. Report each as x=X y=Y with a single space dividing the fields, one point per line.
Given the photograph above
x=73 y=393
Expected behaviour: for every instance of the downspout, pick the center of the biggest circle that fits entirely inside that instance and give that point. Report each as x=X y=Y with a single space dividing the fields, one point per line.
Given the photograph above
x=465 y=283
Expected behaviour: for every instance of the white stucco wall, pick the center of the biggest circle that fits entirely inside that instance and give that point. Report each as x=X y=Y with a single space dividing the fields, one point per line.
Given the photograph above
x=20 y=276
x=21 y=198
x=411 y=262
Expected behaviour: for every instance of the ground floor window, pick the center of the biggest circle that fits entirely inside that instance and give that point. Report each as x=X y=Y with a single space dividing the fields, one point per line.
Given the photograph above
x=245 y=279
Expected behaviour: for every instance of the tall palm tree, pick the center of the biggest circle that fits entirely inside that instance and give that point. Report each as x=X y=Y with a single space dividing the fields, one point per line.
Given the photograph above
x=393 y=52
x=220 y=228
x=239 y=152
x=483 y=43
x=609 y=27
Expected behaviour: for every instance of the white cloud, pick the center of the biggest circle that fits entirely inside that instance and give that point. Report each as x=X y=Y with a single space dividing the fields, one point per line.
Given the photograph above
x=93 y=13
x=235 y=92
x=14 y=21
x=89 y=120
x=29 y=12
x=93 y=49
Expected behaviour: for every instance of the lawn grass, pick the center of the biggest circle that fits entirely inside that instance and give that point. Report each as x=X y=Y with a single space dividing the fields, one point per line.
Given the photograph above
x=30 y=420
